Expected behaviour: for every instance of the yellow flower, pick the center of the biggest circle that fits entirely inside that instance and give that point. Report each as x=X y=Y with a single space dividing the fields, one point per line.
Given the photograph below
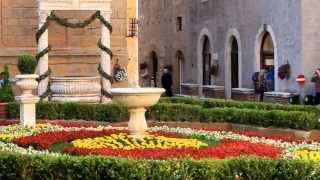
x=150 y=141
x=308 y=155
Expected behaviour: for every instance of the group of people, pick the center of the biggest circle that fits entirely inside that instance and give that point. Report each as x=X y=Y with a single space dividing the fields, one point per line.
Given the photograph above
x=264 y=81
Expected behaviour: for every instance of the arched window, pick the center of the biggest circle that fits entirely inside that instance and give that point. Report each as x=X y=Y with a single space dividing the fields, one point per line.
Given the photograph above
x=267 y=61
x=177 y=71
x=267 y=52
x=206 y=57
x=234 y=63
x=154 y=69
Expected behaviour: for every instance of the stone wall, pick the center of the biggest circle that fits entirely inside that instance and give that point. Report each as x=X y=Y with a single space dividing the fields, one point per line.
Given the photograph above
x=311 y=40
x=247 y=18
x=158 y=33
x=74 y=50
x=220 y=19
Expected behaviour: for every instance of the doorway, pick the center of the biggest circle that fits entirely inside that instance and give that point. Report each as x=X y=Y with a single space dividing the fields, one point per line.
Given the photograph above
x=234 y=63
x=154 y=69
x=206 y=58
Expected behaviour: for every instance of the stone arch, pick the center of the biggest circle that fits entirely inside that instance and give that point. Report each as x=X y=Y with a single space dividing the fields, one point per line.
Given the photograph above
x=232 y=34
x=177 y=70
x=259 y=40
x=146 y=57
x=204 y=33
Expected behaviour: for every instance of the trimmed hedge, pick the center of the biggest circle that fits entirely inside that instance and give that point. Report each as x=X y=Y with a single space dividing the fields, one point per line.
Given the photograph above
x=265 y=118
x=216 y=103
x=15 y=166
x=175 y=112
x=55 y=110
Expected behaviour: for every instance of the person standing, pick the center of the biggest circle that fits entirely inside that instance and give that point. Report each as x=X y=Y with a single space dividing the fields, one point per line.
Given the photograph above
x=166 y=81
x=270 y=80
x=262 y=83
x=1 y=79
x=316 y=79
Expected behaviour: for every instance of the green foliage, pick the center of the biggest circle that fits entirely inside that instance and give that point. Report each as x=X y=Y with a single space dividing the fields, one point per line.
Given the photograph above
x=219 y=103
x=68 y=111
x=6 y=92
x=15 y=166
x=175 y=112
x=27 y=64
x=265 y=118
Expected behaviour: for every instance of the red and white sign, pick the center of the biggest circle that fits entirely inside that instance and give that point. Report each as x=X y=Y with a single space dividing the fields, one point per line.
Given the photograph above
x=301 y=79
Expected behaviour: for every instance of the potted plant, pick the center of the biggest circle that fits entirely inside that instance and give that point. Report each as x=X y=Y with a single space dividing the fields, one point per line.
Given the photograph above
x=26 y=81
x=6 y=92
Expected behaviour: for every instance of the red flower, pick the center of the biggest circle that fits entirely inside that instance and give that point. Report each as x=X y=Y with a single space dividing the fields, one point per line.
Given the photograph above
x=228 y=148
x=45 y=139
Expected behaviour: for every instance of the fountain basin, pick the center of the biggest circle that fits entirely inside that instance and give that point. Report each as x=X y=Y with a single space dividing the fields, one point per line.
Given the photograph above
x=137 y=99
x=76 y=89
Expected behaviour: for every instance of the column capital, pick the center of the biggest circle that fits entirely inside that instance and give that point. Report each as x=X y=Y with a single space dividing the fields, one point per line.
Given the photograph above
x=106 y=14
x=43 y=14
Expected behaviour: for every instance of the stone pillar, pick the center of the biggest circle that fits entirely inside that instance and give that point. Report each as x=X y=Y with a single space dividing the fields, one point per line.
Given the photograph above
x=43 y=61
x=105 y=57
x=27 y=101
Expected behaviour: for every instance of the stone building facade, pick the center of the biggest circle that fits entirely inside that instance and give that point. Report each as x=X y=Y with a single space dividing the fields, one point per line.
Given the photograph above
x=75 y=51
x=225 y=42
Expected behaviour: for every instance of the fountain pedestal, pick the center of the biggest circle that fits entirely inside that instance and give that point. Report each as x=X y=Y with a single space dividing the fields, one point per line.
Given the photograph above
x=137 y=99
x=137 y=124
x=27 y=101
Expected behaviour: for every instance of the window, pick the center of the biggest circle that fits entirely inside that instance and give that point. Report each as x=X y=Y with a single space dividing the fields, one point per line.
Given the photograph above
x=206 y=59
x=133 y=24
x=179 y=23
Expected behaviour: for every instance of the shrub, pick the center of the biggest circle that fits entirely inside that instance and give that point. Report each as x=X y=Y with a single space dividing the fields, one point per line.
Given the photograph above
x=215 y=103
x=6 y=92
x=175 y=112
x=276 y=118
x=56 y=110
x=15 y=166
x=27 y=64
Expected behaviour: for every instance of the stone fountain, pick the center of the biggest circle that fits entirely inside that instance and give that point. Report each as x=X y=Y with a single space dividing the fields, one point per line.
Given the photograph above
x=137 y=100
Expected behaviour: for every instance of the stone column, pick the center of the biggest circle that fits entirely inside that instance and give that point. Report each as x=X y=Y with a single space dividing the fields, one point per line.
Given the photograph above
x=27 y=83
x=43 y=61
x=105 y=57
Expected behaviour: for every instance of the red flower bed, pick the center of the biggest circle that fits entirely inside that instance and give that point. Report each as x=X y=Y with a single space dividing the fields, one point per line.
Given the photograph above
x=168 y=134
x=45 y=139
x=282 y=137
x=73 y=124
x=8 y=122
x=228 y=148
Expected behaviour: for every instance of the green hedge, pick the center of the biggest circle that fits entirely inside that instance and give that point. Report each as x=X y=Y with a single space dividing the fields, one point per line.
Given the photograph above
x=215 y=103
x=265 y=118
x=96 y=112
x=14 y=166
x=175 y=112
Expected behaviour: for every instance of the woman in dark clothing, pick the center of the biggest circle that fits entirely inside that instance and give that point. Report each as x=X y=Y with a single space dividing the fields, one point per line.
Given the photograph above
x=166 y=81
x=316 y=79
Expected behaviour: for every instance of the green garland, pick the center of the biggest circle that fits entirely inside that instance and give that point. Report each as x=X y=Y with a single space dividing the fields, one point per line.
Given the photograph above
x=65 y=23
x=104 y=48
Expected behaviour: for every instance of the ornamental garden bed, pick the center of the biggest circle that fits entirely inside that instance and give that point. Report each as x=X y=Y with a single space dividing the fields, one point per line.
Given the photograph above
x=106 y=152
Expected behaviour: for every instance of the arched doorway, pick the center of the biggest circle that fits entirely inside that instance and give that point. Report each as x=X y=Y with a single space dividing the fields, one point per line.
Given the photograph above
x=267 y=61
x=177 y=72
x=234 y=63
x=206 y=62
x=154 y=69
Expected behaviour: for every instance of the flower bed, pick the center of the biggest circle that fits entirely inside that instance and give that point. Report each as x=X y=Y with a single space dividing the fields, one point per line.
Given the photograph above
x=66 y=150
x=160 y=142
